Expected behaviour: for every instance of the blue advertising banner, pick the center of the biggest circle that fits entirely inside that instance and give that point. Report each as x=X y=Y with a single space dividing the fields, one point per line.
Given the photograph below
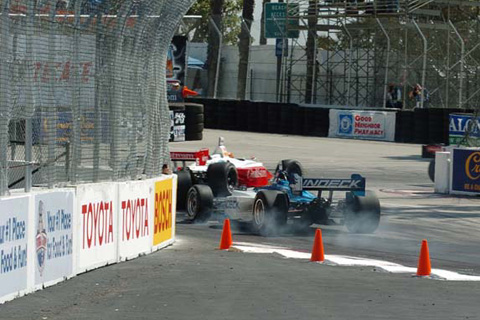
x=64 y=127
x=14 y=229
x=461 y=123
x=466 y=170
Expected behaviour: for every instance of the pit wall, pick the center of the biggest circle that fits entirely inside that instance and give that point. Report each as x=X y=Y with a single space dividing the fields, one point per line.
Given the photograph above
x=409 y=126
x=48 y=236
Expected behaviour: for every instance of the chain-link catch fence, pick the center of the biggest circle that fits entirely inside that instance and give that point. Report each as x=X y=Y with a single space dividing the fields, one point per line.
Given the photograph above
x=82 y=90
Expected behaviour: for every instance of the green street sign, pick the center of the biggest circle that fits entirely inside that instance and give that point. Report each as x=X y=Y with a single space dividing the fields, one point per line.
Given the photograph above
x=276 y=20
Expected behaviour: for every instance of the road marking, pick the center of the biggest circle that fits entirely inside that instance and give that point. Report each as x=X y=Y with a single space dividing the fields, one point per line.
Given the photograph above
x=414 y=193
x=340 y=260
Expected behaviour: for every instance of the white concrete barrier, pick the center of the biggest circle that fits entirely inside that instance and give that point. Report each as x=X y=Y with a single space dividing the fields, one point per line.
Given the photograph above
x=442 y=172
x=135 y=218
x=48 y=236
x=97 y=225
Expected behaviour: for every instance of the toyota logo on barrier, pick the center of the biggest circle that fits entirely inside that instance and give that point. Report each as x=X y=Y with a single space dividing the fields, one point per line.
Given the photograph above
x=472 y=166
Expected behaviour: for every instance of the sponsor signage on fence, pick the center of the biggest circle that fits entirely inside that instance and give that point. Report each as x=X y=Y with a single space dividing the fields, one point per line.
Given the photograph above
x=135 y=218
x=369 y=125
x=459 y=125
x=466 y=171
x=56 y=67
x=164 y=212
x=97 y=234
x=64 y=124
x=14 y=229
x=53 y=236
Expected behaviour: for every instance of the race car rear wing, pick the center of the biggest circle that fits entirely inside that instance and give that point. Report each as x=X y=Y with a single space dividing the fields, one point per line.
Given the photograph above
x=355 y=183
x=200 y=157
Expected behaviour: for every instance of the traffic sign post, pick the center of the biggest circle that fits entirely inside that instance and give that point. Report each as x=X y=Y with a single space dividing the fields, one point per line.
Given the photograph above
x=276 y=20
x=281 y=50
x=281 y=47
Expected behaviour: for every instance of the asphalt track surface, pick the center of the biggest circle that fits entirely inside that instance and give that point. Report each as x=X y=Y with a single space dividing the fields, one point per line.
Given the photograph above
x=193 y=280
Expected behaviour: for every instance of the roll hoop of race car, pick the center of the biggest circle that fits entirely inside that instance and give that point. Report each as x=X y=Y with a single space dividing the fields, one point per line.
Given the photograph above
x=288 y=196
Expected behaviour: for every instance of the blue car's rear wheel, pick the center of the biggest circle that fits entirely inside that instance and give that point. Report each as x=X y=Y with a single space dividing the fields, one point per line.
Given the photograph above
x=362 y=214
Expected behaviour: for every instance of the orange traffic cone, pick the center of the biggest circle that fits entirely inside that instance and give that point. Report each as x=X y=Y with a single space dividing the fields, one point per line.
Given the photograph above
x=187 y=92
x=317 y=251
x=424 y=268
x=226 y=241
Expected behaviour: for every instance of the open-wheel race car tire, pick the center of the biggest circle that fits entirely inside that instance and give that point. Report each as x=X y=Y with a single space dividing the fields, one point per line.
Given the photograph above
x=362 y=214
x=270 y=209
x=291 y=167
x=431 y=170
x=222 y=177
x=184 y=183
x=199 y=203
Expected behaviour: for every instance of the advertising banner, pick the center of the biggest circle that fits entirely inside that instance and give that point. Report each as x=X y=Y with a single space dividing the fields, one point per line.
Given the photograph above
x=62 y=70
x=135 y=218
x=368 y=125
x=97 y=230
x=177 y=59
x=459 y=125
x=177 y=126
x=164 y=205
x=64 y=124
x=53 y=236
x=14 y=231
x=176 y=68
x=465 y=171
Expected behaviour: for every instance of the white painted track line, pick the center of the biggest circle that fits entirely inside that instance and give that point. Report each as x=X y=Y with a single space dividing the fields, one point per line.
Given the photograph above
x=339 y=260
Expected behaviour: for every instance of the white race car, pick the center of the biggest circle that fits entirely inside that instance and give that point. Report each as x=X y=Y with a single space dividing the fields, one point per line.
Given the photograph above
x=221 y=171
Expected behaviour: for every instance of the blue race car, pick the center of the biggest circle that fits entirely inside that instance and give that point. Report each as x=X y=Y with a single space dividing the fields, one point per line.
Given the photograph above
x=291 y=196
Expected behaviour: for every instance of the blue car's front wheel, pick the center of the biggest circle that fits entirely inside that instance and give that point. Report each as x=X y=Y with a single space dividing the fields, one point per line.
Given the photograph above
x=270 y=209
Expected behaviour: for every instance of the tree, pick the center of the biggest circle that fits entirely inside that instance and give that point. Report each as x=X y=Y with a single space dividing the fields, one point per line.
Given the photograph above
x=244 y=47
x=216 y=9
x=224 y=14
x=228 y=13
x=263 y=40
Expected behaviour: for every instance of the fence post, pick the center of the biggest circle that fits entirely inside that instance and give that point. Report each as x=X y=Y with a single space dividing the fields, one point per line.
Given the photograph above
x=386 y=63
x=5 y=103
x=424 y=68
x=219 y=56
